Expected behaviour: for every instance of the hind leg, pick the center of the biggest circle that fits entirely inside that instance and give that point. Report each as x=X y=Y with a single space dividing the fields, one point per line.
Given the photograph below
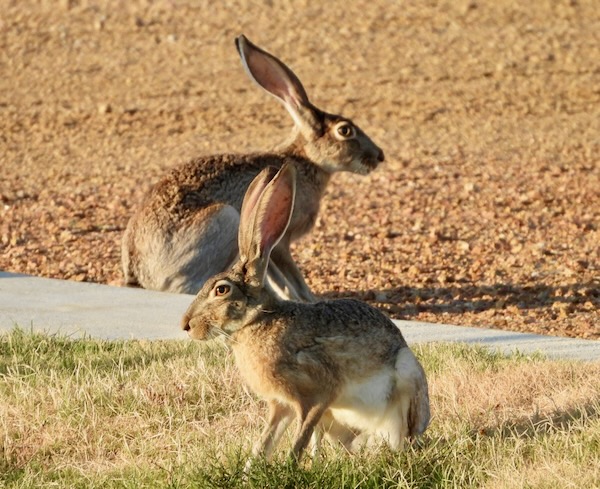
x=394 y=427
x=129 y=275
x=182 y=260
x=279 y=283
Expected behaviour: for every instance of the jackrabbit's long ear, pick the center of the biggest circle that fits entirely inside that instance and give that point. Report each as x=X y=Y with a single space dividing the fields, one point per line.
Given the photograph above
x=263 y=224
x=253 y=193
x=278 y=80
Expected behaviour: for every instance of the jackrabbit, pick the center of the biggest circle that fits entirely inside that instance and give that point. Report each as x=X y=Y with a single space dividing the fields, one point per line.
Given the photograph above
x=340 y=366
x=185 y=229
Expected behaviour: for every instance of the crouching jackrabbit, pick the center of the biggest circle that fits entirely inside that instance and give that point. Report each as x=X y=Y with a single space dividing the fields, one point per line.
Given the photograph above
x=339 y=366
x=185 y=230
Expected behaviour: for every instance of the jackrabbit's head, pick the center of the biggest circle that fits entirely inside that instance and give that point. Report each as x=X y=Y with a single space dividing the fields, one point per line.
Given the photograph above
x=230 y=299
x=333 y=142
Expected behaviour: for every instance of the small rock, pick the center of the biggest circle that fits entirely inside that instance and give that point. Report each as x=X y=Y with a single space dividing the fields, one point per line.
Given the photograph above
x=99 y=23
x=67 y=4
x=413 y=271
x=104 y=108
x=469 y=187
x=463 y=245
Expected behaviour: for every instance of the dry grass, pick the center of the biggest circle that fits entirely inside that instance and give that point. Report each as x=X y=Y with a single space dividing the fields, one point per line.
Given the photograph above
x=87 y=413
x=485 y=213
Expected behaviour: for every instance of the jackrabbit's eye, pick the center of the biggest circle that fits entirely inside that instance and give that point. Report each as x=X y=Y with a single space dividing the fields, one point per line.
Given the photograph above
x=222 y=289
x=344 y=130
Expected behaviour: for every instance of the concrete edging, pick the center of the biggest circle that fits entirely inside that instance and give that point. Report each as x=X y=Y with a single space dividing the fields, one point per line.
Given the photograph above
x=102 y=311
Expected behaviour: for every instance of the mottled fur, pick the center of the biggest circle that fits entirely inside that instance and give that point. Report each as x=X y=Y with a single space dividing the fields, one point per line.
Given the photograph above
x=185 y=230
x=339 y=366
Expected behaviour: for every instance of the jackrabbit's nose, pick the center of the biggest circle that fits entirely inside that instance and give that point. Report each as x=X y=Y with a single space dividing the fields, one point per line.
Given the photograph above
x=380 y=155
x=185 y=323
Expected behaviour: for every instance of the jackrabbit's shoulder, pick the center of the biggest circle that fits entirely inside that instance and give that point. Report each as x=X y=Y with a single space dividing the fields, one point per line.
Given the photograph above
x=352 y=308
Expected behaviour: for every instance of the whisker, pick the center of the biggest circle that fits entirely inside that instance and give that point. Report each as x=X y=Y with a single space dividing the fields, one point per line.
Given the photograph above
x=222 y=332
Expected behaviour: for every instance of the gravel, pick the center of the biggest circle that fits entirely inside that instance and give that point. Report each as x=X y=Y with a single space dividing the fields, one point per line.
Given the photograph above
x=486 y=212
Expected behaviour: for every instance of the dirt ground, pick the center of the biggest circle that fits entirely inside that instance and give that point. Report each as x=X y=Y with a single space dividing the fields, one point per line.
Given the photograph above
x=486 y=211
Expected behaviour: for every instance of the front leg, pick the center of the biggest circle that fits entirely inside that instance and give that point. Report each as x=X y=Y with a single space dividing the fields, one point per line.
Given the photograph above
x=316 y=441
x=280 y=416
x=282 y=259
x=309 y=417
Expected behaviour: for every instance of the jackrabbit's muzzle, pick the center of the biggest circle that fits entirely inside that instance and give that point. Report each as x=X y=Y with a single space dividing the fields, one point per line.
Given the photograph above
x=197 y=328
x=371 y=162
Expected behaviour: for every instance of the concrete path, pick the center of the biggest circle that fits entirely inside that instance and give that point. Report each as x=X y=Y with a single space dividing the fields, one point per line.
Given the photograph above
x=102 y=311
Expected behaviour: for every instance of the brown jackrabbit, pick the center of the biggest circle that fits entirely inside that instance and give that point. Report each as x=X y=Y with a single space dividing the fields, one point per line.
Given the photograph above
x=340 y=366
x=185 y=230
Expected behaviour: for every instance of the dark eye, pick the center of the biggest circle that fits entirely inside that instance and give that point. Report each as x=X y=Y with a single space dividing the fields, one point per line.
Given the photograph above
x=222 y=290
x=345 y=130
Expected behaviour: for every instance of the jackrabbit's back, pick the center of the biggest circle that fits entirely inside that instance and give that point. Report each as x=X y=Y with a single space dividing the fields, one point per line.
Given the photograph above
x=224 y=178
x=204 y=181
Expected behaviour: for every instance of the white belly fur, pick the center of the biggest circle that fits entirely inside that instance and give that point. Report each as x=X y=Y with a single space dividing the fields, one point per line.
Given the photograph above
x=373 y=403
x=362 y=405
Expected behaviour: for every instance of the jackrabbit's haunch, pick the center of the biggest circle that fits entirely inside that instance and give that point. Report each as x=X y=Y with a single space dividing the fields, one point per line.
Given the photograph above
x=340 y=367
x=185 y=229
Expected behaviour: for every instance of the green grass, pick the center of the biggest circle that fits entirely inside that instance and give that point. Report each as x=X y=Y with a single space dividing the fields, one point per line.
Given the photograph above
x=90 y=413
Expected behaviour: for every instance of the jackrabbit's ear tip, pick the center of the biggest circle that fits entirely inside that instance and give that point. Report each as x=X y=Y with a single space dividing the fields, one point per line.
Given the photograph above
x=238 y=43
x=267 y=173
x=287 y=174
x=288 y=171
x=241 y=41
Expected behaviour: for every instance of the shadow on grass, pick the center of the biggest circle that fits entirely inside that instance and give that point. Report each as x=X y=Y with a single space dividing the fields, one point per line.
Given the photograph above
x=533 y=426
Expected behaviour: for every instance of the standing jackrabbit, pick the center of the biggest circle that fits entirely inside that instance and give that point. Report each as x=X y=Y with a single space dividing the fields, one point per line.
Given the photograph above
x=186 y=227
x=340 y=366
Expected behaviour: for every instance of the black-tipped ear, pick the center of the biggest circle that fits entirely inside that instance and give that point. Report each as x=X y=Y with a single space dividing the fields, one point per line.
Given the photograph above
x=277 y=79
x=268 y=221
